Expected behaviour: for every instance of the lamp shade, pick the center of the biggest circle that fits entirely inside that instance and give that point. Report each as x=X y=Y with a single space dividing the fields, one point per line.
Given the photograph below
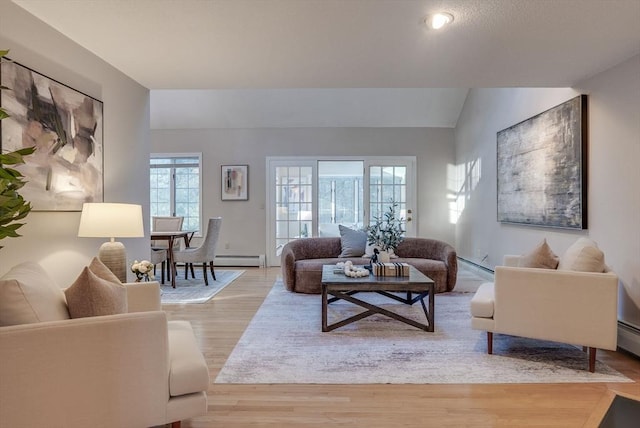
x=107 y=220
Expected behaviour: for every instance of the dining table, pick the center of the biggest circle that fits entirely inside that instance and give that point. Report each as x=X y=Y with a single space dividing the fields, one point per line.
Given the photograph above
x=171 y=237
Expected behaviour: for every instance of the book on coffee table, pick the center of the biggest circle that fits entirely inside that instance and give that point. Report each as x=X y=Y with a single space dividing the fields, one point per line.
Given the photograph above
x=390 y=269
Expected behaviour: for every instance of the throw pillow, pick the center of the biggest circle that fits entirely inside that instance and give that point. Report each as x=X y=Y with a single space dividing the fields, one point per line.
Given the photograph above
x=541 y=257
x=28 y=295
x=583 y=256
x=102 y=271
x=91 y=296
x=353 y=242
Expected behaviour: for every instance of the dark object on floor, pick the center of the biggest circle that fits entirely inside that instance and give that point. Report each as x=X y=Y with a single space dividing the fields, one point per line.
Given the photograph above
x=623 y=413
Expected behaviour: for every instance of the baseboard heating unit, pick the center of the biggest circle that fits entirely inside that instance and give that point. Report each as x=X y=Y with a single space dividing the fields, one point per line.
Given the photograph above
x=629 y=337
x=230 y=260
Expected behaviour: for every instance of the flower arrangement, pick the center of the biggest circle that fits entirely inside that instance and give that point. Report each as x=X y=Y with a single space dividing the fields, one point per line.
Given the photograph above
x=386 y=232
x=143 y=270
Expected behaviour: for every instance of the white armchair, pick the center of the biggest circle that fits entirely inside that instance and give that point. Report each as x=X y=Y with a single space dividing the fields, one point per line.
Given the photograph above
x=578 y=308
x=129 y=370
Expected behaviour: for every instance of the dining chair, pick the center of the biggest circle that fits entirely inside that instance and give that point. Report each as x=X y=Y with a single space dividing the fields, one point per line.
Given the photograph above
x=165 y=224
x=205 y=253
x=158 y=256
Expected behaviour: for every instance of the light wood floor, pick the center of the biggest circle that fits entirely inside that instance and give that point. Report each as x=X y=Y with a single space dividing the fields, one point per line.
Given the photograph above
x=220 y=322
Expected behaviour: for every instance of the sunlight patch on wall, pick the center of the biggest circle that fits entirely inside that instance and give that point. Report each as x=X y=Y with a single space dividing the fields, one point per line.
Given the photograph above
x=462 y=180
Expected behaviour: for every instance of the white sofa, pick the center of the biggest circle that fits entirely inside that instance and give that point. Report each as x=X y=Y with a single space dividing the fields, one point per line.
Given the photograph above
x=128 y=370
x=578 y=308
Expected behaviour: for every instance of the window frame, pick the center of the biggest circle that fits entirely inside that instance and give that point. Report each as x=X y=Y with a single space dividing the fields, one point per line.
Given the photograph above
x=197 y=155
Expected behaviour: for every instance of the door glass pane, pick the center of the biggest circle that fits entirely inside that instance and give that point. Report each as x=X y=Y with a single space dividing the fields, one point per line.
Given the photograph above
x=388 y=185
x=293 y=203
x=340 y=196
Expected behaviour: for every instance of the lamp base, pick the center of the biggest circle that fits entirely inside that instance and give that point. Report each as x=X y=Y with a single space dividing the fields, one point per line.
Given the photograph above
x=114 y=256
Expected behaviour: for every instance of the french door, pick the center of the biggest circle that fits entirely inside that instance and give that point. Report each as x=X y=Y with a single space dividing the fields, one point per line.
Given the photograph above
x=308 y=197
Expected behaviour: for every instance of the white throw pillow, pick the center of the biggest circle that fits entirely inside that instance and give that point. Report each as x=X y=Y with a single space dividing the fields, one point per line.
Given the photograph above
x=28 y=295
x=583 y=256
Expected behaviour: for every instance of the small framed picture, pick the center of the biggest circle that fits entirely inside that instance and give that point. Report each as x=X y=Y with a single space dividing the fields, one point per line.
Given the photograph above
x=235 y=182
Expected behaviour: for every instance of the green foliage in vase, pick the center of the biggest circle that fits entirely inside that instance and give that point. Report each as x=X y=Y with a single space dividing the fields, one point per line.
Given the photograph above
x=13 y=207
x=386 y=232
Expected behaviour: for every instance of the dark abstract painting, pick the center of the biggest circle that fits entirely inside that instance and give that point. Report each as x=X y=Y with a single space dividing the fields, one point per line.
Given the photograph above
x=542 y=166
x=65 y=126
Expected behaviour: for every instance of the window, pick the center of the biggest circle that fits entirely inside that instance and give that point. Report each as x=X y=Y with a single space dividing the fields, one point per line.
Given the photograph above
x=175 y=187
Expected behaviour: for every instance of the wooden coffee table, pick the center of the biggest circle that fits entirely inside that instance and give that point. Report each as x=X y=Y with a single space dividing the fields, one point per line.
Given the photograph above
x=342 y=287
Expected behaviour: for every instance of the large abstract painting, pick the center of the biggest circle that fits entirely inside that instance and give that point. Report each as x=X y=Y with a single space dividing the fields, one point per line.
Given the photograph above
x=65 y=126
x=542 y=168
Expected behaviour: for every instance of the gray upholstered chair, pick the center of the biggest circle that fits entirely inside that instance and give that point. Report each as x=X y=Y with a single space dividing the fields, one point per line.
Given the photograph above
x=158 y=256
x=164 y=224
x=205 y=253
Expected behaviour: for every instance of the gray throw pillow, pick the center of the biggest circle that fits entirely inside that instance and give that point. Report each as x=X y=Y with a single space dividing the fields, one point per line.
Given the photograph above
x=353 y=242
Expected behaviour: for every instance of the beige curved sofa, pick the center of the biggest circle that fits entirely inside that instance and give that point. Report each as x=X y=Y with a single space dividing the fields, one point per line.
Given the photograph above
x=302 y=261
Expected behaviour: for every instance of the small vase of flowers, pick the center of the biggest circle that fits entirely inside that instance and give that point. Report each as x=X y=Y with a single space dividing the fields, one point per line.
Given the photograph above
x=386 y=232
x=143 y=270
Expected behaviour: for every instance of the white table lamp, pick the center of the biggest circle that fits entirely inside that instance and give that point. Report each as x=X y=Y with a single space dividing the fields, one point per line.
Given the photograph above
x=107 y=220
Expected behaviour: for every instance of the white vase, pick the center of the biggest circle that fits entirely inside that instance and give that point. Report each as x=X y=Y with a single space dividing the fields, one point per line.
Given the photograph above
x=384 y=257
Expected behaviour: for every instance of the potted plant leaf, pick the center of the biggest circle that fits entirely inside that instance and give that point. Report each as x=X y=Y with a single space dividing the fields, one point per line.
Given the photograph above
x=13 y=206
x=386 y=232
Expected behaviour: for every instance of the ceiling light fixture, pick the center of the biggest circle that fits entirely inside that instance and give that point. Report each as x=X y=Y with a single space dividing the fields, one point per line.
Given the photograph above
x=439 y=20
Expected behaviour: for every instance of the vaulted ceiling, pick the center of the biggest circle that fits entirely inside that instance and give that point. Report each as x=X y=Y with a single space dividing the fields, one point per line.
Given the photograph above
x=329 y=44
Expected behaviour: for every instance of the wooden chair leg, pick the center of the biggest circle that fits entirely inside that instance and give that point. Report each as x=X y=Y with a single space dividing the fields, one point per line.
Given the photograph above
x=213 y=273
x=592 y=359
x=489 y=342
x=188 y=267
x=204 y=271
x=162 y=269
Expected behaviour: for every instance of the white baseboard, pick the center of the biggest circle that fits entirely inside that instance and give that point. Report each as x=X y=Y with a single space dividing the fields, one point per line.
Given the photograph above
x=629 y=338
x=481 y=271
x=230 y=260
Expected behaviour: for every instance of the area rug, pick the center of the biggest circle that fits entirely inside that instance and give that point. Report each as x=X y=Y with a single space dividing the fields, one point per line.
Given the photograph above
x=193 y=290
x=284 y=344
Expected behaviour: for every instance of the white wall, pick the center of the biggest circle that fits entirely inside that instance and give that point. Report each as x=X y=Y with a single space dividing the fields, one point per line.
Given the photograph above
x=50 y=238
x=306 y=108
x=244 y=222
x=614 y=175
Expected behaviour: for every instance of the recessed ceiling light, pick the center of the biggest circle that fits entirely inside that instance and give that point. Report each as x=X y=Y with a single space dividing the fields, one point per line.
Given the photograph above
x=438 y=20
